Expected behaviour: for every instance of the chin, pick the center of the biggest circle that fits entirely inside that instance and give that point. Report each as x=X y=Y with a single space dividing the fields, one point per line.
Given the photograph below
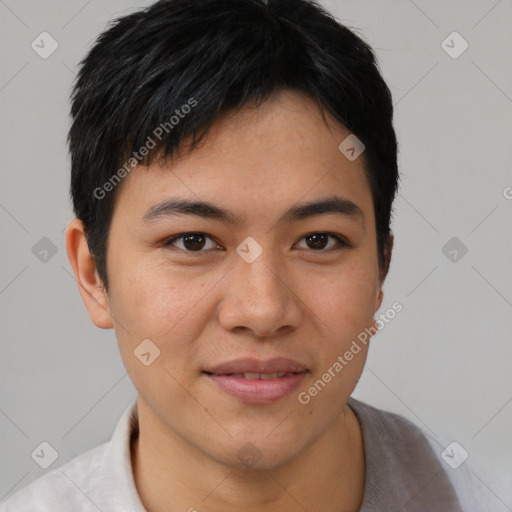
x=258 y=453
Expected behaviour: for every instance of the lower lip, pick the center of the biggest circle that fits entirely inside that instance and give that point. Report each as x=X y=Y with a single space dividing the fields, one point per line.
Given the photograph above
x=258 y=391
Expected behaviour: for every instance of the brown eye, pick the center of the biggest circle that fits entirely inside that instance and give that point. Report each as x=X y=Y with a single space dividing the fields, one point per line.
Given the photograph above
x=191 y=242
x=319 y=241
x=194 y=242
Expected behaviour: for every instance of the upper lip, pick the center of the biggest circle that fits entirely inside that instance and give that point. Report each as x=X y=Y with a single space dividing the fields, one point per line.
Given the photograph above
x=275 y=365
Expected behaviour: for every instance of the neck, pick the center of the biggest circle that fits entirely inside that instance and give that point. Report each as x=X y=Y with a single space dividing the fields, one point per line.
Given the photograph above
x=171 y=475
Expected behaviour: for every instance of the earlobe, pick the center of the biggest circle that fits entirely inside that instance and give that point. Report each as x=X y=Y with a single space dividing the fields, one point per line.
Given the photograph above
x=89 y=283
x=380 y=296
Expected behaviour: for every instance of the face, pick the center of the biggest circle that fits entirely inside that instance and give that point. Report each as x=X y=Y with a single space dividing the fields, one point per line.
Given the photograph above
x=268 y=280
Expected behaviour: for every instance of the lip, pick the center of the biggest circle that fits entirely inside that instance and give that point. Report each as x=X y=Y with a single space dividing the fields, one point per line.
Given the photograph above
x=275 y=365
x=227 y=376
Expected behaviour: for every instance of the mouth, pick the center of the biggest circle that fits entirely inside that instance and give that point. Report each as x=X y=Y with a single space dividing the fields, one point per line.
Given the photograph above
x=257 y=382
x=255 y=376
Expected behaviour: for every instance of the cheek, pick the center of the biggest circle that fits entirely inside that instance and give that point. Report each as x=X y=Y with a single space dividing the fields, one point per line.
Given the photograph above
x=343 y=307
x=168 y=308
x=169 y=311
x=343 y=302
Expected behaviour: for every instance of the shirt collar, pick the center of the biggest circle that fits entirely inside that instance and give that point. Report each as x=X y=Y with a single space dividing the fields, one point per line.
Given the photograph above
x=118 y=466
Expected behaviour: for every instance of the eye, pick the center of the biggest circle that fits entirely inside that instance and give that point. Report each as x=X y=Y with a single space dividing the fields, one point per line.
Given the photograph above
x=198 y=242
x=191 y=242
x=318 y=241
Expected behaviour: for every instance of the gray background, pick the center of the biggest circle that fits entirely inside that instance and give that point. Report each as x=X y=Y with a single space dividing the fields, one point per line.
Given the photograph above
x=445 y=361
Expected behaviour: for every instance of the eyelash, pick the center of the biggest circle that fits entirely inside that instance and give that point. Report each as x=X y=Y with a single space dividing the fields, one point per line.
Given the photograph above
x=342 y=242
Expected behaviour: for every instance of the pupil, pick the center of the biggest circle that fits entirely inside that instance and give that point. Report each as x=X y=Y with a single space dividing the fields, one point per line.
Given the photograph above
x=194 y=242
x=319 y=241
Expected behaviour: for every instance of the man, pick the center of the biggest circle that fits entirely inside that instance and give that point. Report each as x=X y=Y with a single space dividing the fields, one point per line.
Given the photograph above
x=234 y=166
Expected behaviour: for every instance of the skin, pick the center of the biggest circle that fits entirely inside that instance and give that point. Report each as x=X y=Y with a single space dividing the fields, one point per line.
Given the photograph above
x=210 y=307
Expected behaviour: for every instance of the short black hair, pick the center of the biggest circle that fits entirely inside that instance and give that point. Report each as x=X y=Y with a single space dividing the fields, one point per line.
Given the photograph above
x=203 y=58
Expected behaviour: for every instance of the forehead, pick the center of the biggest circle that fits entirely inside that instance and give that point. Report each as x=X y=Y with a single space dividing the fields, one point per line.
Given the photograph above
x=256 y=158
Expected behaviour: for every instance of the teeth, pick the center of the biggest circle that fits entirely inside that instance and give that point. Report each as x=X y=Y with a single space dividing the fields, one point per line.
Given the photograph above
x=264 y=376
x=251 y=376
x=268 y=375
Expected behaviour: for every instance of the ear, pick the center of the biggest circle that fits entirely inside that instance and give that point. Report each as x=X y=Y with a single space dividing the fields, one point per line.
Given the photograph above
x=89 y=283
x=388 y=249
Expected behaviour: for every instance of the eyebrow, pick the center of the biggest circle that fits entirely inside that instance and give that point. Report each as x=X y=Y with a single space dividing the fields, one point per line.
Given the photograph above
x=334 y=205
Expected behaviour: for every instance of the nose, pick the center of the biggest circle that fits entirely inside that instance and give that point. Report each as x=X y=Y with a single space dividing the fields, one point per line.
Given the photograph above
x=260 y=298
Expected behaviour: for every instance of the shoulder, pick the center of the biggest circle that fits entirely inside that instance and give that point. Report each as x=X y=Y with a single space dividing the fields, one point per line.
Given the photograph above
x=402 y=470
x=395 y=445
x=401 y=455
x=62 y=489
x=388 y=426
x=97 y=479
